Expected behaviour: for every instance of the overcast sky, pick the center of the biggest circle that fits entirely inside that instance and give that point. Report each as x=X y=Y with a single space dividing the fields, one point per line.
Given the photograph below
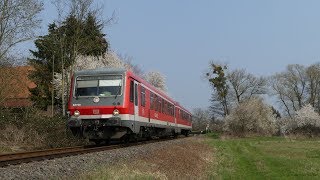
x=179 y=37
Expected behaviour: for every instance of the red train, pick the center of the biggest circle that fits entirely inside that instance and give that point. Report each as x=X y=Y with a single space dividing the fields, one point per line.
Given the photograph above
x=109 y=104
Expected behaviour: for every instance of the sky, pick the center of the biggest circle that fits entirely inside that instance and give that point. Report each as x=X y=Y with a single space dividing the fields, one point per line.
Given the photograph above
x=180 y=37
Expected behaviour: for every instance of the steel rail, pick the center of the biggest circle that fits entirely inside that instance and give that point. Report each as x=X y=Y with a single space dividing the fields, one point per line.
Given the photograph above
x=40 y=155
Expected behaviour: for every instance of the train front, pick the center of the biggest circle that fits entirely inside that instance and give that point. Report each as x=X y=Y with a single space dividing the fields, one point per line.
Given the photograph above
x=96 y=103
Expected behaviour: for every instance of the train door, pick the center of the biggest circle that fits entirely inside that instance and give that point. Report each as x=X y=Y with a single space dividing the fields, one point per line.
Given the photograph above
x=136 y=104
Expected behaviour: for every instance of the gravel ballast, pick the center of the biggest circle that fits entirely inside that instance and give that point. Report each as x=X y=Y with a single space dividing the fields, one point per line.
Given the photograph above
x=73 y=166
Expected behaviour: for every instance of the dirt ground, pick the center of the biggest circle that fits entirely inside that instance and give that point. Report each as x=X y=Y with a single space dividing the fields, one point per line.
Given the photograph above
x=191 y=159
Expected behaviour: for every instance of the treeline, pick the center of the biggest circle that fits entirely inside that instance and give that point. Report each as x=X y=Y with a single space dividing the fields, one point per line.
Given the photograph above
x=238 y=103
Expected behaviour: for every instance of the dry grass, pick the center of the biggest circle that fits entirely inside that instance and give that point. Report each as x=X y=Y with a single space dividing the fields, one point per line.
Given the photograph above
x=189 y=160
x=31 y=129
x=19 y=139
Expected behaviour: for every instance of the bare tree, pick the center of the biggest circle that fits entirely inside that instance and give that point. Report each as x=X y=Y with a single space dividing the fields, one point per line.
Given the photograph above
x=244 y=85
x=280 y=91
x=313 y=85
x=290 y=87
x=129 y=64
x=200 y=119
x=216 y=107
x=18 y=20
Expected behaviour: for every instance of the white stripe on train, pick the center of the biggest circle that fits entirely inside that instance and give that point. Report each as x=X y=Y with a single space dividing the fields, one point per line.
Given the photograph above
x=130 y=117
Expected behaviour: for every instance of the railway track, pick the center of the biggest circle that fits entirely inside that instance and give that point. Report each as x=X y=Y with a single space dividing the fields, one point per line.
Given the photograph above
x=40 y=155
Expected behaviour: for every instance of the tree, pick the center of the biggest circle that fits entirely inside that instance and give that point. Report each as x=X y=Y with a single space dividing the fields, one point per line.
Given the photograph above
x=244 y=85
x=218 y=81
x=200 y=119
x=313 y=85
x=18 y=21
x=57 y=53
x=156 y=79
x=130 y=65
x=290 y=87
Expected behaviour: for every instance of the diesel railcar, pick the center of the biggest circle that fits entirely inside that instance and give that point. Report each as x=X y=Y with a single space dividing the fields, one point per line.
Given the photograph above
x=107 y=104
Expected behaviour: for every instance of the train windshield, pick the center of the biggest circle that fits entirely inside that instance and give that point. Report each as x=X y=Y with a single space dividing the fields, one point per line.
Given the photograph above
x=103 y=86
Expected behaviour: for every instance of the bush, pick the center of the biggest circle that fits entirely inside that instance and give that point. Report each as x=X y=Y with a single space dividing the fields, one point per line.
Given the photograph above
x=251 y=117
x=33 y=129
x=305 y=122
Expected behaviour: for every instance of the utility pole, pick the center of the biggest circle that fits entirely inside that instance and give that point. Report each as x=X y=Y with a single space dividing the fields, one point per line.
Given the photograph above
x=52 y=95
x=63 y=77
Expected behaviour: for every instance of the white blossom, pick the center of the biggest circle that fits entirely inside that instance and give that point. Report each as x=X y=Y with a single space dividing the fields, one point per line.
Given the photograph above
x=306 y=116
x=251 y=116
x=156 y=79
x=110 y=60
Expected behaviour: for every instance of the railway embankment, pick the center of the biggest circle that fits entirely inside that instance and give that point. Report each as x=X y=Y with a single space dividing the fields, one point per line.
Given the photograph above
x=181 y=158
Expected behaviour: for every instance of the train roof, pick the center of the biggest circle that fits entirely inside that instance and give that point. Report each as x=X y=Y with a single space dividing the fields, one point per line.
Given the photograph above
x=141 y=80
x=101 y=70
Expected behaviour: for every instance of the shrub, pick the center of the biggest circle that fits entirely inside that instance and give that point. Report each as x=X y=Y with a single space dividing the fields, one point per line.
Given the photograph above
x=251 y=117
x=11 y=135
x=33 y=129
x=305 y=122
x=306 y=116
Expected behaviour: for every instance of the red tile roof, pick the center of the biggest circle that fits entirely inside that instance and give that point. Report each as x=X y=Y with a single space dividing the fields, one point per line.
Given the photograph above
x=14 y=86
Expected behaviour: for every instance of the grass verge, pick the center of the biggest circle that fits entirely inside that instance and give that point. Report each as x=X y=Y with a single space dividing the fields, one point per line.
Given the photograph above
x=266 y=158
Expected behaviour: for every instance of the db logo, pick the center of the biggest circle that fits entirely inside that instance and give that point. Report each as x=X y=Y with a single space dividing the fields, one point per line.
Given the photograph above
x=95 y=111
x=156 y=115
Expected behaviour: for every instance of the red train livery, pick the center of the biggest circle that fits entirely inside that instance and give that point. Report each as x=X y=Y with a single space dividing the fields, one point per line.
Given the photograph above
x=109 y=104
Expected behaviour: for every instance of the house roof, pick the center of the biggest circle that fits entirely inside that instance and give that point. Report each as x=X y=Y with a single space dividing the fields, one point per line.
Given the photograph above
x=14 y=86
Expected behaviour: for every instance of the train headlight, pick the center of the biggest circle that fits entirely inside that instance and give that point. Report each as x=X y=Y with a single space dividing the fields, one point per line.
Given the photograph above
x=116 y=112
x=76 y=113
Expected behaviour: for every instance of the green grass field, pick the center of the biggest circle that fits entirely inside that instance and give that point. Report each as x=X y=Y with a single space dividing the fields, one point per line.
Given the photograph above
x=266 y=158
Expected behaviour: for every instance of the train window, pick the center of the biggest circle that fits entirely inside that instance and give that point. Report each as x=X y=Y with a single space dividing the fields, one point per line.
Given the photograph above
x=103 y=86
x=155 y=102
x=159 y=105
x=143 y=96
x=136 y=94
x=163 y=110
x=171 y=110
x=167 y=108
x=151 y=100
x=131 y=91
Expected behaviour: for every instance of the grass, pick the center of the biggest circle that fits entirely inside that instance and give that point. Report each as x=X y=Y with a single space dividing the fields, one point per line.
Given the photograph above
x=188 y=160
x=124 y=171
x=266 y=158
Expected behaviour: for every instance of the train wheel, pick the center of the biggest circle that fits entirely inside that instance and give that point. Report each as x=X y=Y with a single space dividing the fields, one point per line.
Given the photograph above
x=97 y=141
x=126 y=139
